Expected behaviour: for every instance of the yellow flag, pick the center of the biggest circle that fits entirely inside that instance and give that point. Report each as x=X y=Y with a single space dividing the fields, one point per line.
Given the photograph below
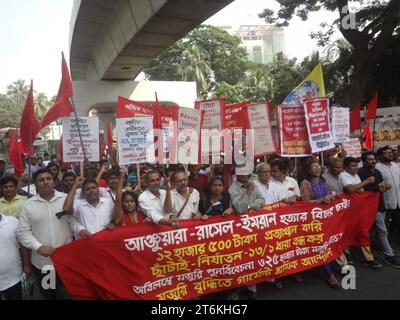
x=311 y=87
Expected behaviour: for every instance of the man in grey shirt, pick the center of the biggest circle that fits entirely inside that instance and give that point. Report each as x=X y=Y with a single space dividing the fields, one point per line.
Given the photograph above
x=335 y=168
x=245 y=195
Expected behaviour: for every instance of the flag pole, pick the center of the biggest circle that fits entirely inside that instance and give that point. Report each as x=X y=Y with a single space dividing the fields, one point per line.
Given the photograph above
x=373 y=138
x=79 y=128
x=322 y=159
x=138 y=176
x=29 y=165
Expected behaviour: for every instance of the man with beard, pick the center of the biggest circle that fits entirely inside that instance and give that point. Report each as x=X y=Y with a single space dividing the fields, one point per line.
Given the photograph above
x=368 y=170
x=182 y=201
x=391 y=174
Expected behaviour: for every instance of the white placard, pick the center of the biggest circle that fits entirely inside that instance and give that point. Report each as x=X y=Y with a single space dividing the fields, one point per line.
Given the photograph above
x=259 y=122
x=340 y=124
x=72 y=147
x=135 y=140
x=352 y=148
x=189 y=121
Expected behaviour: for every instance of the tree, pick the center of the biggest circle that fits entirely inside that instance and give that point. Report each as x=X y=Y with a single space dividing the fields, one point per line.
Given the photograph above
x=272 y=81
x=232 y=93
x=370 y=34
x=18 y=91
x=165 y=66
x=10 y=112
x=42 y=104
x=194 y=67
x=219 y=50
x=224 y=53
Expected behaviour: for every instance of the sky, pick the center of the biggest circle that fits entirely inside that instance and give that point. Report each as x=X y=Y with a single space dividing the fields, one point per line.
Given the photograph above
x=34 y=32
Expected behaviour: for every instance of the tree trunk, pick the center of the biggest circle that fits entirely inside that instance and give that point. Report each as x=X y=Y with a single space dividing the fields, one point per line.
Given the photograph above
x=358 y=84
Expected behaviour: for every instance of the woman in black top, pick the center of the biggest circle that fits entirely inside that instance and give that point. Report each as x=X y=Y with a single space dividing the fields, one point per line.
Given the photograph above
x=217 y=202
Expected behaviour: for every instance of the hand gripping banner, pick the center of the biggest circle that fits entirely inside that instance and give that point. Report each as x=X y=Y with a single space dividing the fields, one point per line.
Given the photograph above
x=148 y=261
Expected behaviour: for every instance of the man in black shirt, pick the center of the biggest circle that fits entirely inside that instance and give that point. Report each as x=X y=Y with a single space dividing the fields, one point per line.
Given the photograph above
x=368 y=170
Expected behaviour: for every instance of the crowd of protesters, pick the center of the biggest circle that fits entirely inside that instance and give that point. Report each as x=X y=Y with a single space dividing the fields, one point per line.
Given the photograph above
x=50 y=205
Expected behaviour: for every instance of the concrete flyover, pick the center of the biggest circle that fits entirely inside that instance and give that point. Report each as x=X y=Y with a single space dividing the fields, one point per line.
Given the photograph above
x=115 y=40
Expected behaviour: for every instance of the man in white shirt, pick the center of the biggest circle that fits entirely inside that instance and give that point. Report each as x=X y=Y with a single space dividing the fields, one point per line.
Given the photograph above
x=92 y=213
x=391 y=174
x=351 y=182
x=10 y=259
x=151 y=201
x=40 y=230
x=268 y=189
x=112 y=178
x=288 y=188
x=182 y=201
x=349 y=178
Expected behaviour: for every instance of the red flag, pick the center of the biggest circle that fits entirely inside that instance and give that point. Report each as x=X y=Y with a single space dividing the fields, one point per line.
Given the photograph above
x=15 y=155
x=355 y=119
x=29 y=125
x=367 y=135
x=371 y=108
x=109 y=139
x=129 y=108
x=62 y=107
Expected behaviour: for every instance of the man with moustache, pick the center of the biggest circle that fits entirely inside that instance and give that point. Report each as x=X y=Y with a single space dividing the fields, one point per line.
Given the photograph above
x=41 y=231
x=92 y=213
x=368 y=170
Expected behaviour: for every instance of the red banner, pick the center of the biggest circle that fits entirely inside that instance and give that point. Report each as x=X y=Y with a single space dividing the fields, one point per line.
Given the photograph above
x=150 y=261
x=167 y=117
x=236 y=115
x=318 y=125
x=293 y=131
x=130 y=109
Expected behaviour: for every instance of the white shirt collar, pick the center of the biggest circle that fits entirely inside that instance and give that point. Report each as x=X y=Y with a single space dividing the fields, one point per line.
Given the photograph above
x=57 y=195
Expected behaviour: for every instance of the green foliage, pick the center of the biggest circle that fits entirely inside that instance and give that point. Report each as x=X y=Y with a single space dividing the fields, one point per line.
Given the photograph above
x=370 y=35
x=218 y=55
x=12 y=104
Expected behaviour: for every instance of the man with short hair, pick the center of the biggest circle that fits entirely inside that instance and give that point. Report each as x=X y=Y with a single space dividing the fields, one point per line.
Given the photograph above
x=112 y=178
x=349 y=178
x=92 y=213
x=40 y=230
x=368 y=170
x=11 y=203
x=67 y=181
x=182 y=201
x=391 y=174
x=268 y=188
x=3 y=171
x=352 y=183
x=331 y=176
x=152 y=200
x=245 y=195
x=289 y=190
x=10 y=258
